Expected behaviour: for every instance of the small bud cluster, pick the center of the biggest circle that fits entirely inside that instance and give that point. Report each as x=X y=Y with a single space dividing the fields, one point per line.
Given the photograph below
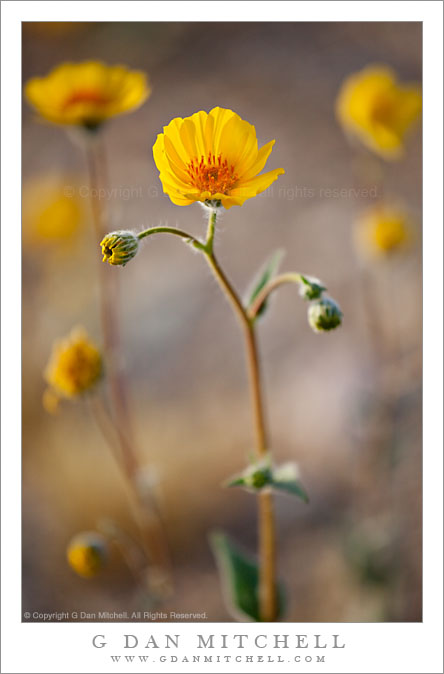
x=264 y=475
x=119 y=247
x=259 y=477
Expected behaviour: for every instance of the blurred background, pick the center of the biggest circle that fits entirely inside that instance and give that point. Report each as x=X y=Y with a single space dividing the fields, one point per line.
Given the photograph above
x=346 y=406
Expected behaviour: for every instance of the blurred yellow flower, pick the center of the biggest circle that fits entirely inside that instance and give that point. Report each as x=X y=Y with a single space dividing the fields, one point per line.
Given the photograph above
x=87 y=93
x=52 y=212
x=382 y=231
x=87 y=554
x=379 y=111
x=212 y=157
x=74 y=367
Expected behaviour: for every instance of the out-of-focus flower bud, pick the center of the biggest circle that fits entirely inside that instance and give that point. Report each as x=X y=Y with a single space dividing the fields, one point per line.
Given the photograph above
x=259 y=477
x=383 y=231
x=120 y=247
x=87 y=553
x=311 y=288
x=255 y=477
x=324 y=315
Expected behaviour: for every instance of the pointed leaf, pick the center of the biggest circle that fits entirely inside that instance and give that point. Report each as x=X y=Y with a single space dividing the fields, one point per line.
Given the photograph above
x=266 y=273
x=286 y=478
x=294 y=488
x=235 y=481
x=240 y=579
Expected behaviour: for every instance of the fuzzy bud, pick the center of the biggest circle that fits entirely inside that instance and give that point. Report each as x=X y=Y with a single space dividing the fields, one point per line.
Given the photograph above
x=324 y=315
x=120 y=247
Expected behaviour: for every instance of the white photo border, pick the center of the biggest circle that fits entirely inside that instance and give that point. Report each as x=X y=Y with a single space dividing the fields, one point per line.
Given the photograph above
x=67 y=647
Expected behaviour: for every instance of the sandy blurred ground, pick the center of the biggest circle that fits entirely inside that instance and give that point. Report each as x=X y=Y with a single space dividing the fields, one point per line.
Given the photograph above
x=354 y=553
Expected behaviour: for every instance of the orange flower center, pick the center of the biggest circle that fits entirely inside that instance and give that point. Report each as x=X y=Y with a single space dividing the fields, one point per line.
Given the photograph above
x=212 y=174
x=86 y=96
x=383 y=109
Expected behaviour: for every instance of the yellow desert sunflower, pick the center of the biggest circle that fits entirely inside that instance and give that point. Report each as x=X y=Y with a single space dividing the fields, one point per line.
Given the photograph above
x=87 y=94
x=51 y=213
x=212 y=157
x=373 y=106
x=382 y=231
x=75 y=366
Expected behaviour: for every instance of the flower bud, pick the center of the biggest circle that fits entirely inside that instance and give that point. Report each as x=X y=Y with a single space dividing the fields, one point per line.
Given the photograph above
x=324 y=315
x=255 y=477
x=87 y=553
x=383 y=231
x=311 y=288
x=259 y=477
x=120 y=247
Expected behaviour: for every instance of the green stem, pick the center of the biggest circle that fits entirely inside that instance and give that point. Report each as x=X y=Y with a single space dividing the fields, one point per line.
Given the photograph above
x=267 y=538
x=210 y=231
x=169 y=230
x=266 y=291
x=267 y=543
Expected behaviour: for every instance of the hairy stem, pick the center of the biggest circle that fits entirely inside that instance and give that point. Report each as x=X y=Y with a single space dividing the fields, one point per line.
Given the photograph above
x=168 y=230
x=267 y=542
x=266 y=291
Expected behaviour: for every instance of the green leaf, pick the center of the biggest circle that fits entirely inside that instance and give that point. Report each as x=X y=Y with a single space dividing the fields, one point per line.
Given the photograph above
x=265 y=275
x=285 y=478
x=293 y=488
x=236 y=481
x=240 y=579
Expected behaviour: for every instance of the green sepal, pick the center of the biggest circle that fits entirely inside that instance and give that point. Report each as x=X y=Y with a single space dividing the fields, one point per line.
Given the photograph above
x=239 y=574
x=265 y=275
x=311 y=288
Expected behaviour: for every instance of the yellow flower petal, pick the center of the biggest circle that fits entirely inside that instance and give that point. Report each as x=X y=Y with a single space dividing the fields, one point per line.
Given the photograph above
x=221 y=117
x=258 y=184
x=260 y=162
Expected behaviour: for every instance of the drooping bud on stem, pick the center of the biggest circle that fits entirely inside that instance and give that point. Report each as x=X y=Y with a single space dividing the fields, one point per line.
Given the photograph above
x=324 y=315
x=119 y=247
